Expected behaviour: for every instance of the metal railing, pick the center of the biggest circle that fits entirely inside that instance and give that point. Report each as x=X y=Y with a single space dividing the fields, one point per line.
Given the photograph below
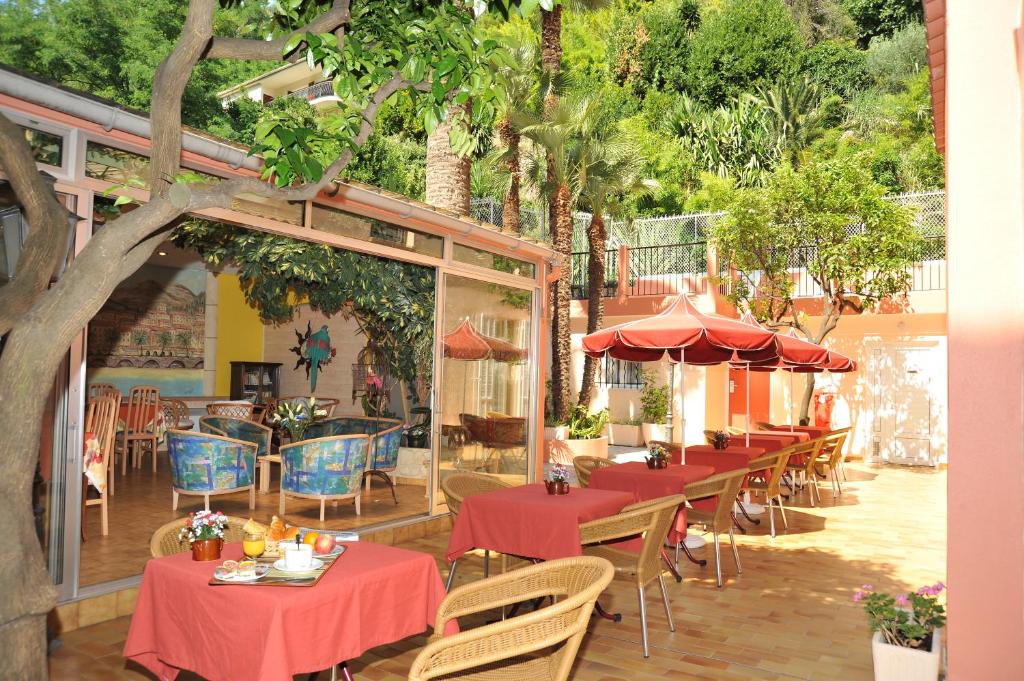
x=580 y=265
x=325 y=88
x=664 y=270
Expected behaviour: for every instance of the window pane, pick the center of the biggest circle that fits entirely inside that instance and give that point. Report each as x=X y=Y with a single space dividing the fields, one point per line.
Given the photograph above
x=46 y=147
x=343 y=223
x=492 y=261
x=116 y=166
x=290 y=212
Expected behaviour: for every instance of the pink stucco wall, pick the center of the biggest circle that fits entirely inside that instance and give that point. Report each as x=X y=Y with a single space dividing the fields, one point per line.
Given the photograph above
x=986 y=341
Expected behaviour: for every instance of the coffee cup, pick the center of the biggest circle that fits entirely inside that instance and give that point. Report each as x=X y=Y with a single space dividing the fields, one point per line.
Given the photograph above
x=298 y=556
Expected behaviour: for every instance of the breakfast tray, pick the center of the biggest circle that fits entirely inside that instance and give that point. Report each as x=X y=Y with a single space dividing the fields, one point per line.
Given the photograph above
x=279 y=578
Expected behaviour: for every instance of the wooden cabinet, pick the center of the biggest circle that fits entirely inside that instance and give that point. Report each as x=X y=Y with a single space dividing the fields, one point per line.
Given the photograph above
x=259 y=381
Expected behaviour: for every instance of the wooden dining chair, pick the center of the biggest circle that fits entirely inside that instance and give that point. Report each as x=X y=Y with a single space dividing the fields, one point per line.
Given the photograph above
x=715 y=514
x=238 y=410
x=804 y=461
x=165 y=541
x=585 y=465
x=456 y=487
x=650 y=520
x=541 y=645
x=140 y=425
x=176 y=414
x=772 y=467
x=101 y=421
x=832 y=448
x=98 y=389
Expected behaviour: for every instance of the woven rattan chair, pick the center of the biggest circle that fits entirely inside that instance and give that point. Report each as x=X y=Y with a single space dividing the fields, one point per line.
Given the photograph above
x=539 y=646
x=716 y=515
x=238 y=410
x=764 y=425
x=651 y=519
x=804 y=461
x=165 y=540
x=835 y=441
x=773 y=467
x=176 y=414
x=456 y=487
x=101 y=420
x=585 y=465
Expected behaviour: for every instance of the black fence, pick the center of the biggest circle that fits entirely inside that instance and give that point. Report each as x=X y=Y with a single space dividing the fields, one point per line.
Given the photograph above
x=580 y=265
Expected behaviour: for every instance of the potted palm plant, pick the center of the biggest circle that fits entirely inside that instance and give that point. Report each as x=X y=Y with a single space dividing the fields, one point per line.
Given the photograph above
x=907 y=630
x=654 y=406
x=586 y=434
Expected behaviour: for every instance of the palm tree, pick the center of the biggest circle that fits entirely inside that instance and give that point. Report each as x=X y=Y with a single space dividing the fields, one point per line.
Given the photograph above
x=447 y=176
x=609 y=171
x=798 y=113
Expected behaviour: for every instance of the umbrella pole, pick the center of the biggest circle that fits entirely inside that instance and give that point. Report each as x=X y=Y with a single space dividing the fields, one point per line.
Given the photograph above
x=792 y=403
x=748 y=404
x=671 y=394
x=682 y=400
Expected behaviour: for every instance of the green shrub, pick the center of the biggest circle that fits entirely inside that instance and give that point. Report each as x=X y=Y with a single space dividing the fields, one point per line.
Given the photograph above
x=837 y=68
x=586 y=426
x=653 y=399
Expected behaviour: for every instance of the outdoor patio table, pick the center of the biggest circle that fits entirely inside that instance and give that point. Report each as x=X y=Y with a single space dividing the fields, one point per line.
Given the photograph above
x=768 y=440
x=813 y=431
x=374 y=595
x=528 y=522
x=643 y=483
x=749 y=452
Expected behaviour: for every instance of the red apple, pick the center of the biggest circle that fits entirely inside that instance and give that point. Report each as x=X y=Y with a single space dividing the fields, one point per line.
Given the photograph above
x=324 y=544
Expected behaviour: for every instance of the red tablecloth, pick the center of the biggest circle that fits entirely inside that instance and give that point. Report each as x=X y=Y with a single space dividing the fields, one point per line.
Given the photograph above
x=375 y=595
x=749 y=452
x=770 y=441
x=813 y=431
x=643 y=483
x=527 y=521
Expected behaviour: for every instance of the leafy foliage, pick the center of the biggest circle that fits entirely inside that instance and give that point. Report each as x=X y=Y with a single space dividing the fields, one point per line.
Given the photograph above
x=882 y=17
x=392 y=301
x=907 y=620
x=586 y=426
x=837 y=68
x=653 y=399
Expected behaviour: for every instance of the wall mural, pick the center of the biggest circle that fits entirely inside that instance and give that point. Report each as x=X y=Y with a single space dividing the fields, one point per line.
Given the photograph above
x=152 y=331
x=314 y=350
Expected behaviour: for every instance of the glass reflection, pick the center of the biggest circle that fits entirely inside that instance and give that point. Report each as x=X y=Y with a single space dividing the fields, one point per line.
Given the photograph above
x=485 y=395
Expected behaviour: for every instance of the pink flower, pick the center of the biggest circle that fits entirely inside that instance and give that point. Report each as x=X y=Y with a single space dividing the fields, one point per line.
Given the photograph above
x=374 y=381
x=902 y=600
x=867 y=587
x=858 y=596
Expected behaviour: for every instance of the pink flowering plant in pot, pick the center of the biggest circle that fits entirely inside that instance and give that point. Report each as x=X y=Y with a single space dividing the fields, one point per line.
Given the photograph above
x=558 y=479
x=204 y=531
x=905 y=645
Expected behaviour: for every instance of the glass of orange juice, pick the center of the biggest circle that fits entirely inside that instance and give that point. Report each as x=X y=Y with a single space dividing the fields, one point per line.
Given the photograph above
x=253 y=544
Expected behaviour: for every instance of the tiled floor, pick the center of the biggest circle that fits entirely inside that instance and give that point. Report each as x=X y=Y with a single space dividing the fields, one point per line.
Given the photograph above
x=142 y=503
x=788 y=616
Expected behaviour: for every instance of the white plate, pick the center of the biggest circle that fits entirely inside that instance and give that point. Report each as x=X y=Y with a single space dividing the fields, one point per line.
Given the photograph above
x=261 y=571
x=316 y=565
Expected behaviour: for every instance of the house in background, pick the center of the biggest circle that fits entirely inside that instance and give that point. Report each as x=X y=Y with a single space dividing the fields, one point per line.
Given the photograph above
x=291 y=80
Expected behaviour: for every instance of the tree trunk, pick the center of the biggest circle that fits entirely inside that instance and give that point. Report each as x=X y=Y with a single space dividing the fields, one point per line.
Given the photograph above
x=561 y=339
x=447 y=172
x=597 y=235
x=551 y=43
x=510 y=207
x=829 y=321
x=805 y=401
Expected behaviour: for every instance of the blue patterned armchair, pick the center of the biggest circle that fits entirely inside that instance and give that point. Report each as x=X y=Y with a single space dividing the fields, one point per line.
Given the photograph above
x=204 y=465
x=385 y=439
x=248 y=431
x=324 y=468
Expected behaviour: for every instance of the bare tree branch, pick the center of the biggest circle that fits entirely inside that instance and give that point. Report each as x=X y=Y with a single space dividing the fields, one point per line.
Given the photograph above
x=42 y=252
x=333 y=20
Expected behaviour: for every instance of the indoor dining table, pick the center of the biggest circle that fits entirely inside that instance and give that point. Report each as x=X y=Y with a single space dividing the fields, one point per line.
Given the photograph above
x=372 y=596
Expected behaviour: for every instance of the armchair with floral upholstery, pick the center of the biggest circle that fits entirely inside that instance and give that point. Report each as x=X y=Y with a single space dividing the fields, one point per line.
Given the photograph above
x=324 y=468
x=206 y=464
x=385 y=438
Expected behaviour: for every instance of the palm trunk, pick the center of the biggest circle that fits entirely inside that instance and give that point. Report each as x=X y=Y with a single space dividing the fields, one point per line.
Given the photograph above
x=447 y=171
x=597 y=235
x=561 y=339
x=510 y=207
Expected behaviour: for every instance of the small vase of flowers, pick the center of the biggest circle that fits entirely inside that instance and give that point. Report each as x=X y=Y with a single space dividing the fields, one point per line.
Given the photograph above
x=204 y=530
x=907 y=629
x=720 y=439
x=297 y=415
x=657 y=457
x=558 y=480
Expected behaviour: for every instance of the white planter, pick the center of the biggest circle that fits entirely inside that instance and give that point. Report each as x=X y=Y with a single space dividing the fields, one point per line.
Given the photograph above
x=556 y=432
x=625 y=435
x=896 y=663
x=564 y=451
x=654 y=431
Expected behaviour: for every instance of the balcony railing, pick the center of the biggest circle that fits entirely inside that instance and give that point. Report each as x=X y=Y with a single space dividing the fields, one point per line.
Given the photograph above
x=677 y=268
x=324 y=88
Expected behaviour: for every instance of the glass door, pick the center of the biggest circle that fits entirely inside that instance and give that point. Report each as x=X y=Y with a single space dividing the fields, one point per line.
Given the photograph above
x=484 y=393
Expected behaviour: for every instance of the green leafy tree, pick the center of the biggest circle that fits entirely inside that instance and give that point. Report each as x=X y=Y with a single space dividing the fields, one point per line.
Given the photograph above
x=164 y=339
x=740 y=45
x=371 y=51
x=893 y=60
x=837 y=68
x=830 y=219
x=820 y=20
x=882 y=17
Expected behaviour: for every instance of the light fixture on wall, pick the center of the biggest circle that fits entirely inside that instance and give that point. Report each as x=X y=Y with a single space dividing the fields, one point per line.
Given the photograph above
x=14 y=229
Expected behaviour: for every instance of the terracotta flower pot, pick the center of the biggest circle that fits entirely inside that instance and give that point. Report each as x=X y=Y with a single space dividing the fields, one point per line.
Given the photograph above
x=654 y=463
x=556 y=488
x=207 y=549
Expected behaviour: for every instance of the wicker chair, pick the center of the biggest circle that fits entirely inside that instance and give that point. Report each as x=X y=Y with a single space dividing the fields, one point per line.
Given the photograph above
x=540 y=646
x=585 y=465
x=773 y=467
x=238 y=410
x=651 y=519
x=176 y=414
x=456 y=487
x=764 y=425
x=833 y=449
x=804 y=460
x=165 y=540
x=716 y=513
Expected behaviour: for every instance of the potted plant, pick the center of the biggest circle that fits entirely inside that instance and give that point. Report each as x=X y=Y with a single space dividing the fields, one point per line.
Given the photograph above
x=654 y=407
x=296 y=416
x=907 y=630
x=720 y=439
x=657 y=457
x=558 y=480
x=205 y=532
x=585 y=436
x=625 y=432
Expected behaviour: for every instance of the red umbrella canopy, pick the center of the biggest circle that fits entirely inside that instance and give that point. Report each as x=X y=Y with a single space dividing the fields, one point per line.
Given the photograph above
x=684 y=333
x=465 y=342
x=794 y=352
x=835 y=362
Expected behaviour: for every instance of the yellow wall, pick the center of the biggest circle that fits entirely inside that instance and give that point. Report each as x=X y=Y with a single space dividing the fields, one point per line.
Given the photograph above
x=239 y=331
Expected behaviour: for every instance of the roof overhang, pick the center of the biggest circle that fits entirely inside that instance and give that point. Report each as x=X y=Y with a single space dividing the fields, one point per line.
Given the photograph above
x=935 y=27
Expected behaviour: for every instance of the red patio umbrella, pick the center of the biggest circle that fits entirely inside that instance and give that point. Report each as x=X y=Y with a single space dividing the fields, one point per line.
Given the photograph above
x=687 y=336
x=465 y=342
